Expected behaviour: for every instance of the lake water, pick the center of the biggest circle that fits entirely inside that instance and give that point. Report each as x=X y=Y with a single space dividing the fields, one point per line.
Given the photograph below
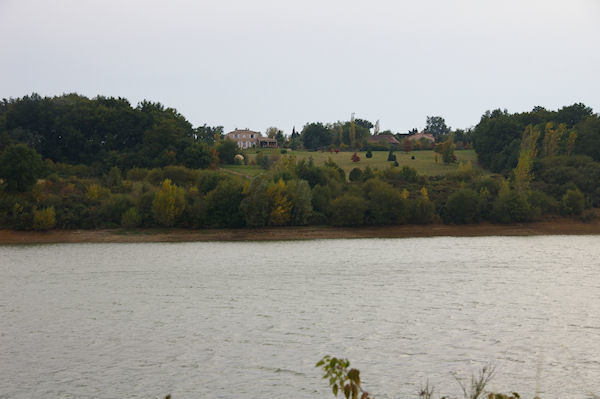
x=250 y=320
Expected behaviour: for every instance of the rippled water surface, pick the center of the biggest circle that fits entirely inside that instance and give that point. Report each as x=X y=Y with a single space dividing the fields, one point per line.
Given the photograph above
x=250 y=320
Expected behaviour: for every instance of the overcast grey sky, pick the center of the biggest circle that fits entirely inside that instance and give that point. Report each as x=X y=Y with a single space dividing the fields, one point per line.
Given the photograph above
x=255 y=64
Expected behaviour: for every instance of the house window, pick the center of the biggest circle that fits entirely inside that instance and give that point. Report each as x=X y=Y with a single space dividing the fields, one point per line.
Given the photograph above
x=251 y=136
x=236 y=136
x=243 y=135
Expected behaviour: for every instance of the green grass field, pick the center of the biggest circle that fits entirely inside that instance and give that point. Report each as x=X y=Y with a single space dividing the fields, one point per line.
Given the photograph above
x=424 y=161
x=243 y=170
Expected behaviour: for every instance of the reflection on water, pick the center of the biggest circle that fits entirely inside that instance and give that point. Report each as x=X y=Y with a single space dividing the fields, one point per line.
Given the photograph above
x=238 y=320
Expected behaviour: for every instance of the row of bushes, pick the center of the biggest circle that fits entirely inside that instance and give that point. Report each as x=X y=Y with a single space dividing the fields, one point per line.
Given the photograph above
x=291 y=193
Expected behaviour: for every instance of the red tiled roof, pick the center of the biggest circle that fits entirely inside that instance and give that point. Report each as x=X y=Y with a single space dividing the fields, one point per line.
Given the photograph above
x=422 y=135
x=383 y=137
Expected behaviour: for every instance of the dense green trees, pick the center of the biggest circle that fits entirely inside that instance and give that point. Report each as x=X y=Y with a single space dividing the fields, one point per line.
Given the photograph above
x=570 y=130
x=108 y=164
x=199 y=156
x=587 y=140
x=100 y=132
x=348 y=210
x=462 y=207
x=301 y=193
x=20 y=167
x=495 y=132
x=436 y=125
x=223 y=204
x=316 y=135
x=227 y=150
x=385 y=203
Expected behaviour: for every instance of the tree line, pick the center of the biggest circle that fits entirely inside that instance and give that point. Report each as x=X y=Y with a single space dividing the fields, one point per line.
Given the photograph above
x=158 y=170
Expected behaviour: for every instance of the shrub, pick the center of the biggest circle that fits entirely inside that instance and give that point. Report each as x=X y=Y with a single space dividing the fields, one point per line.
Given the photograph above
x=239 y=159
x=207 y=181
x=462 y=207
x=355 y=157
x=137 y=174
x=144 y=208
x=369 y=154
x=543 y=201
x=348 y=210
x=405 y=175
x=131 y=218
x=343 y=379
x=111 y=209
x=447 y=150
x=355 y=174
x=422 y=210
x=386 y=204
x=114 y=178
x=266 y=161
x=227 y=149
x=223 y=204
x=168 y=203
x=572 y=202
x=198 y=156
x=256 y=206
x=321 y=199
x=298 y=191
x=95 y=192
x=21 y=217
x=44 y=219
x=511 y=206
x=180 y=175
x=20 y=167
x=155 y=176
x=391 y=156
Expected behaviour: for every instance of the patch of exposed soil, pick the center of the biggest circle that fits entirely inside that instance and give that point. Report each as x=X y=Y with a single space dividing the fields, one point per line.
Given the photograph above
x=557 y=226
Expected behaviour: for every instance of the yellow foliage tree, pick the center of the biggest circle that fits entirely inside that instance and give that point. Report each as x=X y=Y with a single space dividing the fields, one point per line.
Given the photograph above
x=44 y=219
x=529 y=151
x=552 y=138
x=465 y=167
x=168 y=203
x=529 y=140
x=95 y=192
x=281 y=207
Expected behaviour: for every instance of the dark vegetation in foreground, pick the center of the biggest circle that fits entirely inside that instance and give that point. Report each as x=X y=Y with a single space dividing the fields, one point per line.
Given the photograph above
x=346 y=381
x=71 y=162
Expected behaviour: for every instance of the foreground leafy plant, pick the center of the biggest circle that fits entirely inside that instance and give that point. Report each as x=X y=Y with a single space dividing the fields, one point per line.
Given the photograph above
x=342 y=378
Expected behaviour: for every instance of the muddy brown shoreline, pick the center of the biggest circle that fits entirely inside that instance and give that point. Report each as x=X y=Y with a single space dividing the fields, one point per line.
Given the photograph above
x=554 y=227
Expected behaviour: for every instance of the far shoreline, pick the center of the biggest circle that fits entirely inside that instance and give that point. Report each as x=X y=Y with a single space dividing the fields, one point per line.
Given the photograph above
x=558 y=226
